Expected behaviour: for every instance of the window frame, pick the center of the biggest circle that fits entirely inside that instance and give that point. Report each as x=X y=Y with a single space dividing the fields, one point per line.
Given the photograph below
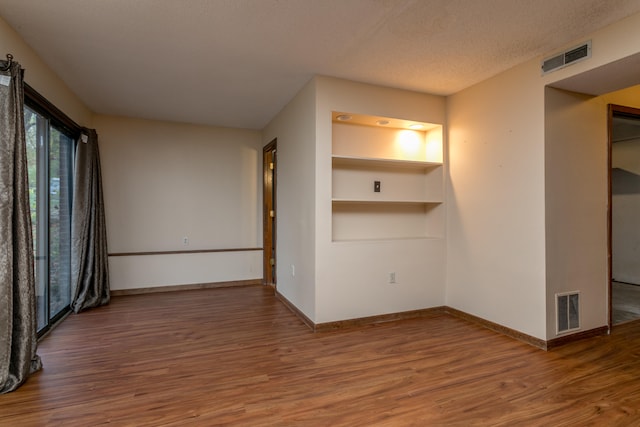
x=39 y=103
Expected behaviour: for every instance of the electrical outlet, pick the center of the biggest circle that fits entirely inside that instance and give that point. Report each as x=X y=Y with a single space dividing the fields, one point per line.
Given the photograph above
x=392 y=277
x=185 y=241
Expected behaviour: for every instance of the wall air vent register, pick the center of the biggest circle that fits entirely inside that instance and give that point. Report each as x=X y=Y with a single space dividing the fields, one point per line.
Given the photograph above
x=567 y=311
x=567 y=57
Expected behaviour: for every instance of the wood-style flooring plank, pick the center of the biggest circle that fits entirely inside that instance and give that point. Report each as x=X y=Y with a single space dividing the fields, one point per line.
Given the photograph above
x=238 y=356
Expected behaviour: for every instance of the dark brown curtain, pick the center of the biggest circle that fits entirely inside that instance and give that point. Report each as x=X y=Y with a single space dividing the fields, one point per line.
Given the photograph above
x=89 y=262
x=18 y=322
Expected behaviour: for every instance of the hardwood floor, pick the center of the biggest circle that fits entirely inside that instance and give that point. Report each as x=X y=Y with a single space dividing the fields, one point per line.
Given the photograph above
x=237 y=356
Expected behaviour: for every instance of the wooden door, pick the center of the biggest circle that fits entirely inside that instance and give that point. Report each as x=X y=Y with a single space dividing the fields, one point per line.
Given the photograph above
x=269 y=213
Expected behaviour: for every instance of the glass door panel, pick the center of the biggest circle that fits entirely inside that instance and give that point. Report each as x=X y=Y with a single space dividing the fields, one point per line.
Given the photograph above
x=49 y=158
x=36 y=128
x=59 y=222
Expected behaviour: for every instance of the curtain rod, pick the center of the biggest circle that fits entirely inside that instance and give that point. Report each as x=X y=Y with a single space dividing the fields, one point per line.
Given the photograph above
x=9 y=62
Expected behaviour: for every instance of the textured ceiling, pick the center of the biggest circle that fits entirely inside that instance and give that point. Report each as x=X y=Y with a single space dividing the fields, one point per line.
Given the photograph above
x=236 y=63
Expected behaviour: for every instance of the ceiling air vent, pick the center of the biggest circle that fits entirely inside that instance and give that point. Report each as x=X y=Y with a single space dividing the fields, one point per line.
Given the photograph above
x=567 y=57
x=568 y=311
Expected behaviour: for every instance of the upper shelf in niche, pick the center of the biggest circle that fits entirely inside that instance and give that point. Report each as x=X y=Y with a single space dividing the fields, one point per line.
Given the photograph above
x=379 y=121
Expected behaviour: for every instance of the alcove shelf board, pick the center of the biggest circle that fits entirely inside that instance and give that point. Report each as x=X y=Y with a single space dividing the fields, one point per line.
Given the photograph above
x=390 y=201
x=342 y=160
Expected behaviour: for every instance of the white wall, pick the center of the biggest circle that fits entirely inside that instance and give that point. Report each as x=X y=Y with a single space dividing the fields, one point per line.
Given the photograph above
x=40 y=77
x=352 y=277
x=294 y=128
x=166 y=181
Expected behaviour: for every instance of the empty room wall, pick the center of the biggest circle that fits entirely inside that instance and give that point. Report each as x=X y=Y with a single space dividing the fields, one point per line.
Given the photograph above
x=497 y=208
x=164 y=182
x=495 y=215
x=352 y=279
x=294 y=128
x=576 y=204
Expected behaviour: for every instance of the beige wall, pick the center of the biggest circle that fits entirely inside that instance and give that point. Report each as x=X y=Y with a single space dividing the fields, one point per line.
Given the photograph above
x=576 y=204
x=352 y=276
x=629 y=97
x=41 y=78
x=495 y=204
x=166 y=181
x=336 y=281
x=294 y=128
x=576 y=161
x=521 y=226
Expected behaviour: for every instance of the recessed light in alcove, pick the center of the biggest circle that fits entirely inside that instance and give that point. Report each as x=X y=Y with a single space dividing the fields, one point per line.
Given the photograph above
x=382 y=122
x=416 y=126
x=343 y=117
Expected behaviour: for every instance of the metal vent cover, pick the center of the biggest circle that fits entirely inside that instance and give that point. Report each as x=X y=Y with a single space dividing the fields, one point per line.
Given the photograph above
x=567 y=311
x=567 y=57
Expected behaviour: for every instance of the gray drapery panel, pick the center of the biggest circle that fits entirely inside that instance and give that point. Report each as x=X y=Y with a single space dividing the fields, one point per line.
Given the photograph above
x=89 y=263
x=18 y=321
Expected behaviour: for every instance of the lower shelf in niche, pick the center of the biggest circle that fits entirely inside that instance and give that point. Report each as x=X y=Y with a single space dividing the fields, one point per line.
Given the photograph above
x=384 y=201
x=386 y=221
x=387 y=239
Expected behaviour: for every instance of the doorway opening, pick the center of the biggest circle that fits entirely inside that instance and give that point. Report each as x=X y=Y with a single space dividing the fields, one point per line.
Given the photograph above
x=269 y=213
x=624 y=213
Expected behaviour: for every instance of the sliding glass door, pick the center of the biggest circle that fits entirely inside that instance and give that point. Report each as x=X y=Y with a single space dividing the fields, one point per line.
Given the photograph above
x=49 y=157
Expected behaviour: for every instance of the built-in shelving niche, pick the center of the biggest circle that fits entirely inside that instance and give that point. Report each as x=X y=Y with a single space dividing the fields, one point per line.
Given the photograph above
x=408 y=165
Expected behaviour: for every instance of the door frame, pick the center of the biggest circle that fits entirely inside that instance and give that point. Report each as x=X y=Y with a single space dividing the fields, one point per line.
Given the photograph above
x=268 y=206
